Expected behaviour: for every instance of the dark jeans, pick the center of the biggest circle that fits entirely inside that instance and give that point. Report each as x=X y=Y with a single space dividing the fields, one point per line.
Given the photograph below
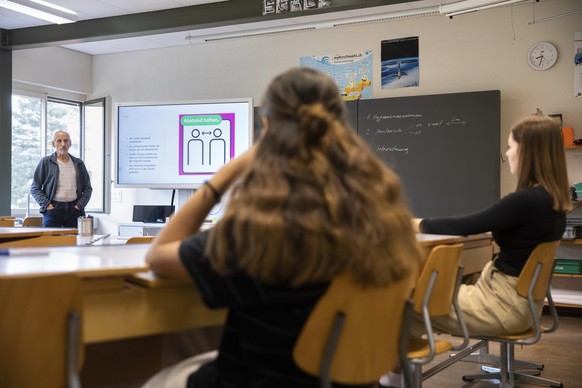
x=63 y=215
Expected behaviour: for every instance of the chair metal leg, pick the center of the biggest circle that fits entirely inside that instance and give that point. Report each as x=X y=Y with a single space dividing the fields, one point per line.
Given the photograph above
x=537 y=380
x=494 y=369
x=508 y=376
x=515 y=377
x=407 y=377
x=415 y=375
x=460 y=356
x=484 y=357
x=502 y=375
x=73 y=341
x=481 y=357
x=528 y=365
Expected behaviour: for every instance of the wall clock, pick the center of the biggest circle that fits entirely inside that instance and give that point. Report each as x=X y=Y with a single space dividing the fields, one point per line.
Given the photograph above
x=542 y=56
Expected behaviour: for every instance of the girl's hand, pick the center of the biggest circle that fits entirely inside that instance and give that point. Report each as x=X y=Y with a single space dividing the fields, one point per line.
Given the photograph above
x=416 y=224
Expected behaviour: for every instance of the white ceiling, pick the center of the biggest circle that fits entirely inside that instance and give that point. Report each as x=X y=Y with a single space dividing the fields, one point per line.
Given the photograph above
x=92 y=9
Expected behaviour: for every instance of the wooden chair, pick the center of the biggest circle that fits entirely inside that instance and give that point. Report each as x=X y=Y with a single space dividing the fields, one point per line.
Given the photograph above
x=434 y=295
x=353 y=335
x=32 y=221
x=42 y=241
x=533 y=283
x=40 y=331
x=7 y=220
x=140 y=240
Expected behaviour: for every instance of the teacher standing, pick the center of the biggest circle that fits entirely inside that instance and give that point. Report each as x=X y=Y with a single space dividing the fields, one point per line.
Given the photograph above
x=61 y=185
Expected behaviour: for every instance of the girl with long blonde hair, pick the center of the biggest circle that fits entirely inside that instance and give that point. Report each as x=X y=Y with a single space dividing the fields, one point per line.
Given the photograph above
x=308 y=202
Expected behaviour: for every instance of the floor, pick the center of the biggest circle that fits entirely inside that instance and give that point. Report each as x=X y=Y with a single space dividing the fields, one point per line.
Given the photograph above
x=560 y=352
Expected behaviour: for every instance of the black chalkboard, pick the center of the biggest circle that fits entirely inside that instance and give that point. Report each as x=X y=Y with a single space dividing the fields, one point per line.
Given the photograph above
x=444 y=147
x=352 y=109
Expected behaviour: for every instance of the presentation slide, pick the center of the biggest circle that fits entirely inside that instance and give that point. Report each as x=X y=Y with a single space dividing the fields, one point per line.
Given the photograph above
x=179 y=145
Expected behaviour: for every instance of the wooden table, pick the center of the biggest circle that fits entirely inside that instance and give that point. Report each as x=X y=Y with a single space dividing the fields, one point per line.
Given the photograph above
x=113 y=308
x=430 y=240
x=477 y=249
x=18 y=235
x=8 y=232
x=62 y=240
x=122 y=300
x=116 y=316
x=119 y=302
x=86 y=261
x=100 y=239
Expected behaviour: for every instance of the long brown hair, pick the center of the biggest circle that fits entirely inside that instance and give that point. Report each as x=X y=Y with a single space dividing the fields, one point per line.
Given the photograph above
x=315 y=200
x=542 y=160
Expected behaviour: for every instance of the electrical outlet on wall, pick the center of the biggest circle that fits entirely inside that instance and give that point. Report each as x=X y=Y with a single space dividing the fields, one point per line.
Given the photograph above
x=116 y=195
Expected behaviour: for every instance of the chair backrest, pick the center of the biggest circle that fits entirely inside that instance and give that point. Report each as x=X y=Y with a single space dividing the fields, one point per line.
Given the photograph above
x=544 y=254
x=435 y=295
x=442 y=265
x=140 y=240
x=40 y=338
x=32 y=221
x=6 y=221
x=368 y=344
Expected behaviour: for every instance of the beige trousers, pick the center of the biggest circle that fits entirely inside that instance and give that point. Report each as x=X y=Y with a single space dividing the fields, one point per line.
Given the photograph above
x=492 y=306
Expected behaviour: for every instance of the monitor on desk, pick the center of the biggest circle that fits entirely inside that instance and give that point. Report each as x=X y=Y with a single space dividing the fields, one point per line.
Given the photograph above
x=151 y=214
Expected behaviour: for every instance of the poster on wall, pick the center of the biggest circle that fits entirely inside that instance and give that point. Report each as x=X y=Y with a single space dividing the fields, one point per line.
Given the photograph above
x=578 y=64
x=351 y=71
x=281 y=6
x=400 y=67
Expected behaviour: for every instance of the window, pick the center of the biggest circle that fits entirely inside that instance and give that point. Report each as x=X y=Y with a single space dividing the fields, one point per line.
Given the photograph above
x=94 y=151
x=62 y=115
x=35 y=119
x=27 y=149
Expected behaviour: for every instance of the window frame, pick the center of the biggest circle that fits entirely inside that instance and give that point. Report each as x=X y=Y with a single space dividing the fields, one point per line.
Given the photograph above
x=45 y=98
x=106 y=176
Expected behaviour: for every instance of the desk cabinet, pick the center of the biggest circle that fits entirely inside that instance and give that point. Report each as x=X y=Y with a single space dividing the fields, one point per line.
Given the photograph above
x=136 y=229
x=477 y=252
x=134 y=311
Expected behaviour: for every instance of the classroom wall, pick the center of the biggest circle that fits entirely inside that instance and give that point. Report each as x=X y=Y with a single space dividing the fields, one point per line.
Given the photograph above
x=479 y=51
x=53 y=70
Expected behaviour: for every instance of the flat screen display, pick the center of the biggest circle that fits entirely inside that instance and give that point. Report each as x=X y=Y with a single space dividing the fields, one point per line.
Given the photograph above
x=179 y=145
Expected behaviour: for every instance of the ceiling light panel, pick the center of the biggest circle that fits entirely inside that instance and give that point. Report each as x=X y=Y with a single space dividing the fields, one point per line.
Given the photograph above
x=38 y=11
x=54 y=6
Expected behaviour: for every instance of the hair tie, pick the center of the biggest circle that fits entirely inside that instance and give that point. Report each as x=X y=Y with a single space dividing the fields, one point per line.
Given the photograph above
x=214 y=191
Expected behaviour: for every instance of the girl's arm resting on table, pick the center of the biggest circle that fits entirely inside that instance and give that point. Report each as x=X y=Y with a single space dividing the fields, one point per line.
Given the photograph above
x=164 y=260
x=509 y=211
x=164 y=255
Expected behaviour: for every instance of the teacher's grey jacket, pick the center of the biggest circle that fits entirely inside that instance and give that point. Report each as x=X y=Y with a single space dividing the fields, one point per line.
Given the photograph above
x=46 y=178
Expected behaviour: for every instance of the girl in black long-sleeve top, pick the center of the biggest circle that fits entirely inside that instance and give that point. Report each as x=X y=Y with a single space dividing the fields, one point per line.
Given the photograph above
x=534 y=213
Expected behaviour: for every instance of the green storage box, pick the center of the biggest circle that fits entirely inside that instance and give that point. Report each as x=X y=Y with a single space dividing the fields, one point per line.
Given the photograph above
x=565 y=266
